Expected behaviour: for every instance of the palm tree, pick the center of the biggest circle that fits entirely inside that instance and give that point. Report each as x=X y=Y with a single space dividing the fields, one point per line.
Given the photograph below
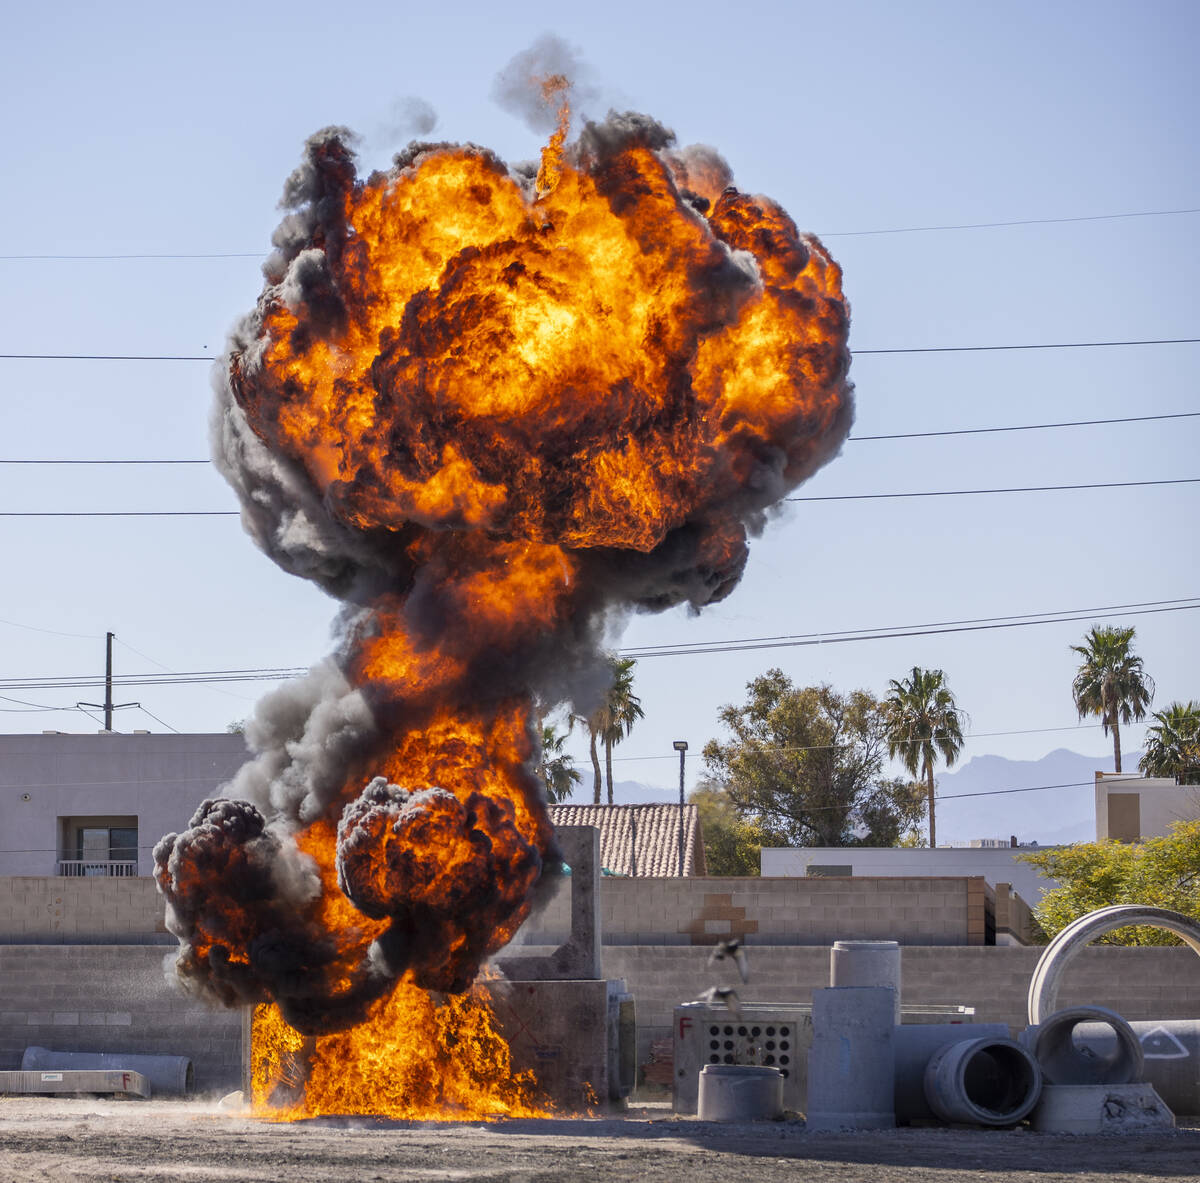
x=1173 y=744
x=612 y=721
x=555 y=767
x=1111 y=682
x=923 y=722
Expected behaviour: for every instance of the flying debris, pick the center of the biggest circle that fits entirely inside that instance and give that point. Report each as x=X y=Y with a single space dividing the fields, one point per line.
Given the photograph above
x=730 y=950
x=725 y=996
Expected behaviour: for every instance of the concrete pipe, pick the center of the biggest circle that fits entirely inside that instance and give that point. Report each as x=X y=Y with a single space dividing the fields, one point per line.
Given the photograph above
x=1064 y=1061
x=1171 y=1049
x=170 y=1076
x=866 y=963
x=986 y=1081
x=1043 y=987
x=740 y=1092
x=851 y=1064
x=914 y=1046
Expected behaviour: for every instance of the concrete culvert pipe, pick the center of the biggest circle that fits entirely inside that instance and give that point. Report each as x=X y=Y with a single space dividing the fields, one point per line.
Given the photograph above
x=1171 y=1049
x=988 y=1082
x=740 y=1092
x=1065 y=1060
x=169 y=1076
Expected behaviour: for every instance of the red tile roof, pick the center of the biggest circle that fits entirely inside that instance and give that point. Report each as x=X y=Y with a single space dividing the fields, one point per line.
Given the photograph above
x=647 y=834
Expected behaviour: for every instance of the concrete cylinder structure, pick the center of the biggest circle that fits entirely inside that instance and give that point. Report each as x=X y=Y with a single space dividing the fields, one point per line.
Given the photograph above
x=914 y=1046
x=1065 y=1061
x=984 y=1081
x=740 y=1092
x=866 y=963
x=170 y=1076
x=1171 y=1049
x=851 y=1064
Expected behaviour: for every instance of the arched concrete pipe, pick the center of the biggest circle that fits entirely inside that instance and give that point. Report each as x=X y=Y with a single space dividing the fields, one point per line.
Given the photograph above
x=985 y=1081
x=1043 y=988
x=170 y=1076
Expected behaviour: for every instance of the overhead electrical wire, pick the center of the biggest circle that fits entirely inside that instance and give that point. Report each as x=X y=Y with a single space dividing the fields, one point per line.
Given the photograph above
x=278 y=673
x=1188 y=480
x=901 y=435
x=854 y=352
x=233 y=513
x=1151 y=213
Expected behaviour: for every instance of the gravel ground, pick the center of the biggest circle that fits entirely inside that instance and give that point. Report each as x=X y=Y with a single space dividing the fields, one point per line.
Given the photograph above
x=88 y=1139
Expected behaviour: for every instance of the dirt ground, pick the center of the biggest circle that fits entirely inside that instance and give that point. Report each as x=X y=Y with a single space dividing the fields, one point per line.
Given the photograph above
x=48 y=1138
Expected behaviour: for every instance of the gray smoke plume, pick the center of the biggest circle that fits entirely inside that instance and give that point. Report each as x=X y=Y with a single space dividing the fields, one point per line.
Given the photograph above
x=409 y=118
x=519 y=88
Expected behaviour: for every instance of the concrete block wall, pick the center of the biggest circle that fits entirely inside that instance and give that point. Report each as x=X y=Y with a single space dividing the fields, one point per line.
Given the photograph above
x=1139 y=983
x=111 y=998
x=802 y=911
x=54 y=910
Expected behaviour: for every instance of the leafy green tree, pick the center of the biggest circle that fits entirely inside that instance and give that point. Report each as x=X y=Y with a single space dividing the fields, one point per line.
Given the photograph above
x=1111 y=682
x=1161 y=872
x=1173 y=744
x=805 y=764
x=924 y=722
x=556 y=768
x=732 y=845
x=613 y=720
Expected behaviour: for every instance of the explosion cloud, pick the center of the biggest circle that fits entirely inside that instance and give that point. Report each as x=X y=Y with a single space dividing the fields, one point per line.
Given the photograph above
x=487 y=408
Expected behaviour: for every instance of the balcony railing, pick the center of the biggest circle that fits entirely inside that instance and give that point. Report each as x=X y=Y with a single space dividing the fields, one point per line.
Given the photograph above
x=96 y=868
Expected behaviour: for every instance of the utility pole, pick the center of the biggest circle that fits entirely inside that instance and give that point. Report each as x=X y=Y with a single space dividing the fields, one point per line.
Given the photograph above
x=108 y=706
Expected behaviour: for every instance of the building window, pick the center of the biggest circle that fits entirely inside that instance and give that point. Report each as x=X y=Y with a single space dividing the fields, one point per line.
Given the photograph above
x=829 y=871
x=98 y=847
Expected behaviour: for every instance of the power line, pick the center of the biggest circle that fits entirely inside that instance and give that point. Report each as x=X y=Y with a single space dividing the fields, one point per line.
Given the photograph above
x=683 y=650
x=910 y=435
x=903 y=435
x=977 y=492
x=278 y=673
x=233 y=513
x=855 y=352
x=648 y=650
x=993 y=348
x=1151 y=213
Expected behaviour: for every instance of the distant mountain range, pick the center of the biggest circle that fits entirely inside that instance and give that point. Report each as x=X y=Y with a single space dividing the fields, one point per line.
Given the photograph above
x=1063 y=813
x=1060 y=809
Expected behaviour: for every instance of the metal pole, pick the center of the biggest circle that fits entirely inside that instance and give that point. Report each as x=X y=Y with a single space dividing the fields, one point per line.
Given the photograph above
x=108 y=702
x=633 y=842
x=680 y=745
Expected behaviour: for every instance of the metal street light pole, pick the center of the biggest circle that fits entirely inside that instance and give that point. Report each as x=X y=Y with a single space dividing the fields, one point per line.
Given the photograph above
x=680 y=745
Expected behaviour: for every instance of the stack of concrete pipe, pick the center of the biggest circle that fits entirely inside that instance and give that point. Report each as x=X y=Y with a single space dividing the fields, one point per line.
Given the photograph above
x=1077 y=1070
x=866 y=1071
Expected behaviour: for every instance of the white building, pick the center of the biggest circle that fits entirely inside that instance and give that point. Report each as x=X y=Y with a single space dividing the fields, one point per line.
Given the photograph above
x=96 y=804
x=1131 y=807
x=997 y=864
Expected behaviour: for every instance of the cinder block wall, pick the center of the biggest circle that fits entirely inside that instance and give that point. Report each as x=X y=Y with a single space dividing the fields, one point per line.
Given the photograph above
x=37 y=910
x=801 y=911
x=1138 y=983
x=112 y=998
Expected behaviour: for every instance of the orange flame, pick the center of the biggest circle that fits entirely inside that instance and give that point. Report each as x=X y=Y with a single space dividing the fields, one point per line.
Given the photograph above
x=415 y=1058
x=494 y=406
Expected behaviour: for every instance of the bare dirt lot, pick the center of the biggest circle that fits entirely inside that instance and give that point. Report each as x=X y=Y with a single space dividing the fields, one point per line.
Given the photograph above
x=70 y=1138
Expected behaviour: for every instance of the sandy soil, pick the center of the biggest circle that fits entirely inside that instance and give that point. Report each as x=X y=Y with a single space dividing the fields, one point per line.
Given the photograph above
x=68 y=1138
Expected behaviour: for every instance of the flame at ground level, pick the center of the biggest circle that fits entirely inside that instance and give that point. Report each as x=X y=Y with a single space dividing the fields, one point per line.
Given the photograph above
x=416 y=1058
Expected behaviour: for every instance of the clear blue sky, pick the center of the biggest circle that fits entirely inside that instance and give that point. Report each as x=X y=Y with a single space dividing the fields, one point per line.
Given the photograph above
x=149 y=128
